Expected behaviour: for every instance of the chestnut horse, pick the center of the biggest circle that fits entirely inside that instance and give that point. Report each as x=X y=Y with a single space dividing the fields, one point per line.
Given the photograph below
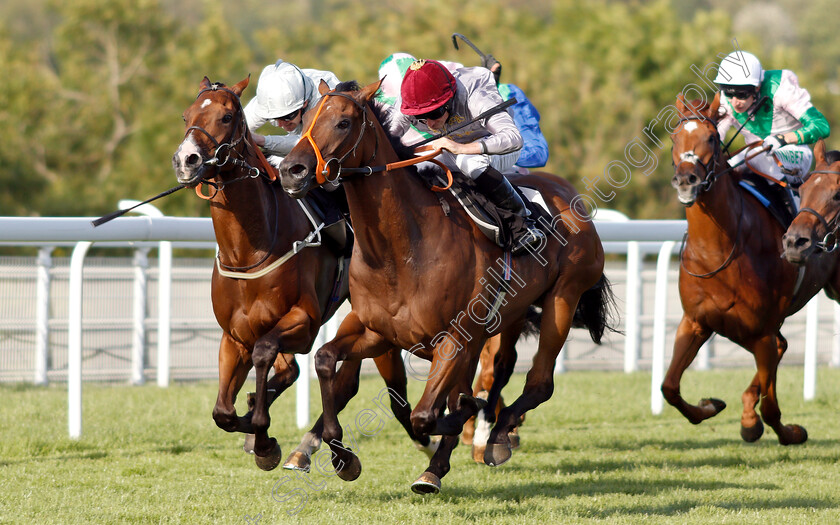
x=732 y=279
x=273 y=281
x=813 y=233
x=429 y=282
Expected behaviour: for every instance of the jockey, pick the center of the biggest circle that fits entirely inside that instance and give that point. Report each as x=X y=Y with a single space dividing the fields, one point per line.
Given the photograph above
x=432 y=100
x=776 y=110
x=534 y=153
x=284 y=93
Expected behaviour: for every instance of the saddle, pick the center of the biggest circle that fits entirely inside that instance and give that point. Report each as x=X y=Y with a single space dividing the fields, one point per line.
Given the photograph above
x=778 y=200
x=494 y=222
x=330 y=208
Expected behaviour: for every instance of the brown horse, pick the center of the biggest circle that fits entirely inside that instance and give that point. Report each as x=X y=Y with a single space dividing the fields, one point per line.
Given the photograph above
x=430 y=283
x=813 y=233
x=273 y=283
x=732 y=279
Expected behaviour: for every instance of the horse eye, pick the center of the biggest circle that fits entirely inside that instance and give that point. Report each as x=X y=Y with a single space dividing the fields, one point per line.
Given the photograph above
x=836 y=196
x=344 y=124
x=227 y=118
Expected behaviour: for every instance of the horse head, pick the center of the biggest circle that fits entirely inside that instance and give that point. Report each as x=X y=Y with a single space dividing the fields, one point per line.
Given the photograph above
x=333 y=139
x=814 y=229
x=696 y=148
x=215 y=128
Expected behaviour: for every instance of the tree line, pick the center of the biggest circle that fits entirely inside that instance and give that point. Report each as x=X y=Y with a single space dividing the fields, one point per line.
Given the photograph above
x=95 y=89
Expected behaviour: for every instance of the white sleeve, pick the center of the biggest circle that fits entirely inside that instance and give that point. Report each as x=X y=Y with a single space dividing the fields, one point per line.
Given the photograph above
x=280 y=144
x=254 y=122
x=790 y=96
x=725 y=119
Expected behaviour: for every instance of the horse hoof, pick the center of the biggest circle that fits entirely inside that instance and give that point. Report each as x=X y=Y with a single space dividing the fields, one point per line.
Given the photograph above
x=248 y=446
x=478 y=453
x=270 y=461
x=350 y=470
x=427 y=483
x=514 y=440
x=753 y=433
x=712 y=405
x=798 y=435
x=297 y=461
x=496 y=454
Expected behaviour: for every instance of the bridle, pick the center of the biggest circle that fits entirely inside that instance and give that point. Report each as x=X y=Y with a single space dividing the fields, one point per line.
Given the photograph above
x=222 y=155
x=829 y=242
x=222 y=152
x=323 y=169
x=712 y=175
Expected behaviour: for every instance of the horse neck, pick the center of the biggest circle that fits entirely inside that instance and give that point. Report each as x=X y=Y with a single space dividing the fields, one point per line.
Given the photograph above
x=386 y=207
x=247 y=215
x=719 y=210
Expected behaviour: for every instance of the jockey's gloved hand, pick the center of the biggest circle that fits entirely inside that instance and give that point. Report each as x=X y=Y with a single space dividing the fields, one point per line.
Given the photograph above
x=794 y=180
x=773 y=142
x=490 y=62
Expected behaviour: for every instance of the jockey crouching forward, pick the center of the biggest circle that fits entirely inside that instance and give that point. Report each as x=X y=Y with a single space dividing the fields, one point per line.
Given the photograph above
x=434 y=100
x=786 y=121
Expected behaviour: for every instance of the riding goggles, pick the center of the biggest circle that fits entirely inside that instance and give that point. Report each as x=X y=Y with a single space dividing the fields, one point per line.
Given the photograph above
x=738 y=92
x=433 y=114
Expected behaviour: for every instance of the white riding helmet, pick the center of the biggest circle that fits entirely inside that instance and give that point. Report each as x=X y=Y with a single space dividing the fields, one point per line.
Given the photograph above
x=281 y=89
x=740 y=68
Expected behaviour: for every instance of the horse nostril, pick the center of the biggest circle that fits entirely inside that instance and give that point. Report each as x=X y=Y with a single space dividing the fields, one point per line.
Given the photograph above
x=801 y=242
x=692 y=179
x=193 y=159
x=297 y=169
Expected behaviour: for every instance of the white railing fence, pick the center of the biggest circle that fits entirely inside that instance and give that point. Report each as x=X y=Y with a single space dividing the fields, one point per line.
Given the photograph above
x=636 y=239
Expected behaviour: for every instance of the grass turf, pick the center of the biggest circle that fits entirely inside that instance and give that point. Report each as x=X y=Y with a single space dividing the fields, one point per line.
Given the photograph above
x=592 y=454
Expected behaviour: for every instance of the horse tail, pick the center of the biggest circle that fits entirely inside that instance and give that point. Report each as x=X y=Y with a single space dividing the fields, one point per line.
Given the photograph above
x=596 y=310
x=532 y=321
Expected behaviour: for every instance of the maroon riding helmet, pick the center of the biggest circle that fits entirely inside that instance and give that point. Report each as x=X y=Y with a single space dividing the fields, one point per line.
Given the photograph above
x=427 y=85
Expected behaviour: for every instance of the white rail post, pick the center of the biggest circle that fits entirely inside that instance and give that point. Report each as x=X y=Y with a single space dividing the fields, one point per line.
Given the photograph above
x=74 y=343
x=660 y=311
x=835 y=350
x=138 y=340
x=42 y=316
x=164 y=323
x=811 y=326
x=632 y=323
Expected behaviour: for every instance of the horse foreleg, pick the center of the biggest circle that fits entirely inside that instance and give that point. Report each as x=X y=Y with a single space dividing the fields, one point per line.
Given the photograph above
x=483 y=383
x=503 y=364
x=292 y=332
x=352 y=341
x=233 y=371
x=429 y=481
x=766 y=355
x=690 y=337
x=347 y=386
x=751 y=426
x=539 y=383
x=392 y=370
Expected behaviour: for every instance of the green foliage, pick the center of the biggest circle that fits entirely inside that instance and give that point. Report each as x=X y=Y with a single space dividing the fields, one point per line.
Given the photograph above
x=95 y=92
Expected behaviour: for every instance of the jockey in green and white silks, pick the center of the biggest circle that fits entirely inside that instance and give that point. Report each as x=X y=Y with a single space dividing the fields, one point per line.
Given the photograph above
x=786 y=121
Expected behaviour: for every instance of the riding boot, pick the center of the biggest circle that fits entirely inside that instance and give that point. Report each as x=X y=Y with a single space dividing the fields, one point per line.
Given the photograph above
x=500 y=192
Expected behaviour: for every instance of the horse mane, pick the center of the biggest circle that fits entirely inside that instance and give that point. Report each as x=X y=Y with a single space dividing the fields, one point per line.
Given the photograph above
x=832 y=156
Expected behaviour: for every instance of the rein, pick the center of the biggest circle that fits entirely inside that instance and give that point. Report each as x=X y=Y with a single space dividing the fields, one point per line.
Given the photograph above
x=323 y=169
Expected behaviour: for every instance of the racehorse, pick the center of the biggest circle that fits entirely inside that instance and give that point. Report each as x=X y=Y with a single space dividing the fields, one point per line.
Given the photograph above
x=273 y=283
x=732 y=279
x=429 y=282
x=813 y=233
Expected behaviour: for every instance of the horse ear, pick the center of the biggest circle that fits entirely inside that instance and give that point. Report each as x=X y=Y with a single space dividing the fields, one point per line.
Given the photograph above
x=369 y=91
x=205 y=84
x=323 y=87
x=681 y=103
x=714 y=107
x=240 y=86
x=819 y=152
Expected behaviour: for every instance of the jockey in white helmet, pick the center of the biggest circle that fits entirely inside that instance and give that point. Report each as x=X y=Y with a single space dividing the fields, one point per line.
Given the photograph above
x=284 y=93
x=785 y=121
